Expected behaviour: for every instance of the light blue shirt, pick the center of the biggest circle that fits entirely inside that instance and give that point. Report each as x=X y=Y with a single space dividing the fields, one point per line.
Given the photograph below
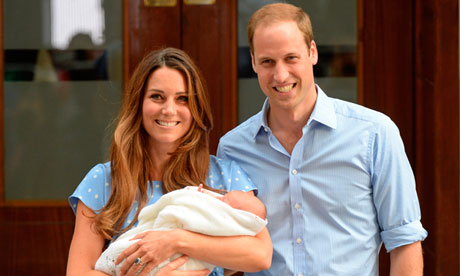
x=346 y=187
x=95 y=189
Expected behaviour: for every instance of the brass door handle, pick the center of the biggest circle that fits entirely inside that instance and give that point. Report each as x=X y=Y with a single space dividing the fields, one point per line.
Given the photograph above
x=172 y=3
x=160 y=3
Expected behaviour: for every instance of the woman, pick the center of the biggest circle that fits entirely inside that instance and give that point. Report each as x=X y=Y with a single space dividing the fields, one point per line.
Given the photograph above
x=160 y=145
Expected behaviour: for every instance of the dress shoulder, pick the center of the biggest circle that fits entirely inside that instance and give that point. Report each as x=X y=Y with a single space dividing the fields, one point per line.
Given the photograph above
x=228 y=175
x=94 y=190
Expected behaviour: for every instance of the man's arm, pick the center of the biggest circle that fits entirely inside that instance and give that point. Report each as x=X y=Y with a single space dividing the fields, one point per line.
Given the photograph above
x=407 y=260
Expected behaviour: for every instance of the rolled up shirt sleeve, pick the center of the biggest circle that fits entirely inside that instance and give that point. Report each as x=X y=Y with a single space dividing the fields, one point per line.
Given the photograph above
x=395 y=195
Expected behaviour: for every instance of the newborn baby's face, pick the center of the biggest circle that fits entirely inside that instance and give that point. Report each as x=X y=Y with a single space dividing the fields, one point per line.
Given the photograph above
x=236 y=199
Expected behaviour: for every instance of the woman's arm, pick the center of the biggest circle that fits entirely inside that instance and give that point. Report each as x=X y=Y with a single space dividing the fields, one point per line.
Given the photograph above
x=243 y=253
x=86 y=246
x=171 y=269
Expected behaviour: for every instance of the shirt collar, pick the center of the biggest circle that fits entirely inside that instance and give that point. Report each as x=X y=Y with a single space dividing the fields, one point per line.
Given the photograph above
x=262 y=119
x=323 y=112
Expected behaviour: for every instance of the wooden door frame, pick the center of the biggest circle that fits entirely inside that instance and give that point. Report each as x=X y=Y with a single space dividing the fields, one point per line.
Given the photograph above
x=409 y=69
x=2 y=115
x=437 y=130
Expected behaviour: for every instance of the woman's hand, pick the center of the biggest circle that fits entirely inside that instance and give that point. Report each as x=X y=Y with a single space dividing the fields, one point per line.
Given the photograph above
x=170 y=269
x=152 y=248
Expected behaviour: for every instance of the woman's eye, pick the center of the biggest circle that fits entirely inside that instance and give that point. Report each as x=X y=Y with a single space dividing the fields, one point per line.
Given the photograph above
x=183 y=98
x=155 y=96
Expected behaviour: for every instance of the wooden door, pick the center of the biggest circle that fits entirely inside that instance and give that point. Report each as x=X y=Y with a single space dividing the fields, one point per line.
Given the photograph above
x=409 y=69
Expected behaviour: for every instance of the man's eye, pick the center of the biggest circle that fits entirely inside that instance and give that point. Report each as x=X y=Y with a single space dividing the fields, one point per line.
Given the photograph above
x=266 y=61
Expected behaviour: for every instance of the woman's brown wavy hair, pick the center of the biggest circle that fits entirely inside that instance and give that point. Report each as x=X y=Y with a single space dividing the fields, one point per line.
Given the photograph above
x=130 y=160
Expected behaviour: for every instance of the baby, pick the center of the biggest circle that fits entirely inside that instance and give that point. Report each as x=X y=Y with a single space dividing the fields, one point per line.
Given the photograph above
x=237 y=199
x=194 y=209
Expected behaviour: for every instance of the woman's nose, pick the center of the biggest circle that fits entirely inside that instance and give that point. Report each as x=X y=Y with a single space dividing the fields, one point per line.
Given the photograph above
x=169 y=108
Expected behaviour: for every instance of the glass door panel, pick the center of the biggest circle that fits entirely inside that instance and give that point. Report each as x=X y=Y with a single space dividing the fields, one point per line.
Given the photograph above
x=62 y=88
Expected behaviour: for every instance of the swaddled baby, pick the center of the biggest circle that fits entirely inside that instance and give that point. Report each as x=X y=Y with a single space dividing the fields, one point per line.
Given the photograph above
x=194 y=209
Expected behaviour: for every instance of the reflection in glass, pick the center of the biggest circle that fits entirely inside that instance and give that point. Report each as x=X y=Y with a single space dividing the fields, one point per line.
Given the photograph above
x=55 y=65
x=62 y=90
x=70 y=18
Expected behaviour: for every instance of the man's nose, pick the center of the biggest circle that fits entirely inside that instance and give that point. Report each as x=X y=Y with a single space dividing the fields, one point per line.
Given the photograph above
x=280 y=74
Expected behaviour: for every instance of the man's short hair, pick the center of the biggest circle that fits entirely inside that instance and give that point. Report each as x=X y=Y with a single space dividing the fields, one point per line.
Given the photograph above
x=279 y=12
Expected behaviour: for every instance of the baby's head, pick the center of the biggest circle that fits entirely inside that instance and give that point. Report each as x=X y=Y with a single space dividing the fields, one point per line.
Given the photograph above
x=246 y=202
x=238 y=200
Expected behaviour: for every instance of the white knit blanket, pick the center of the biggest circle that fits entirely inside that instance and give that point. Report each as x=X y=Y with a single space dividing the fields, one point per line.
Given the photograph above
x=185 y=209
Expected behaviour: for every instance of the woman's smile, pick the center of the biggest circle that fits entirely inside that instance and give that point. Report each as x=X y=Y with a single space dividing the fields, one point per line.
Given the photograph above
x=167 y=124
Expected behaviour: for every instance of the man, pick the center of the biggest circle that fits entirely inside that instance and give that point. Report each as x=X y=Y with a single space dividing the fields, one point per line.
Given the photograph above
x=333 y=175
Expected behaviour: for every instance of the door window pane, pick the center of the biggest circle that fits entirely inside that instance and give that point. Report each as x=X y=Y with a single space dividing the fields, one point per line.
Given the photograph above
x=335 y=33
x=62 y=89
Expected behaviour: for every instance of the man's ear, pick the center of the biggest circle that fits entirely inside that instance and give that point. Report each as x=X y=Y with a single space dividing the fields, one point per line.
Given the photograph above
x=253 y=63
x=313 y=53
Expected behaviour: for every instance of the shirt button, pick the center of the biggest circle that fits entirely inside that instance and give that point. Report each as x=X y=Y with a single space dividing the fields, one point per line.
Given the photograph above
x=299 y=240
x=294 y=172
x=297 y=206
x=265 y=129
